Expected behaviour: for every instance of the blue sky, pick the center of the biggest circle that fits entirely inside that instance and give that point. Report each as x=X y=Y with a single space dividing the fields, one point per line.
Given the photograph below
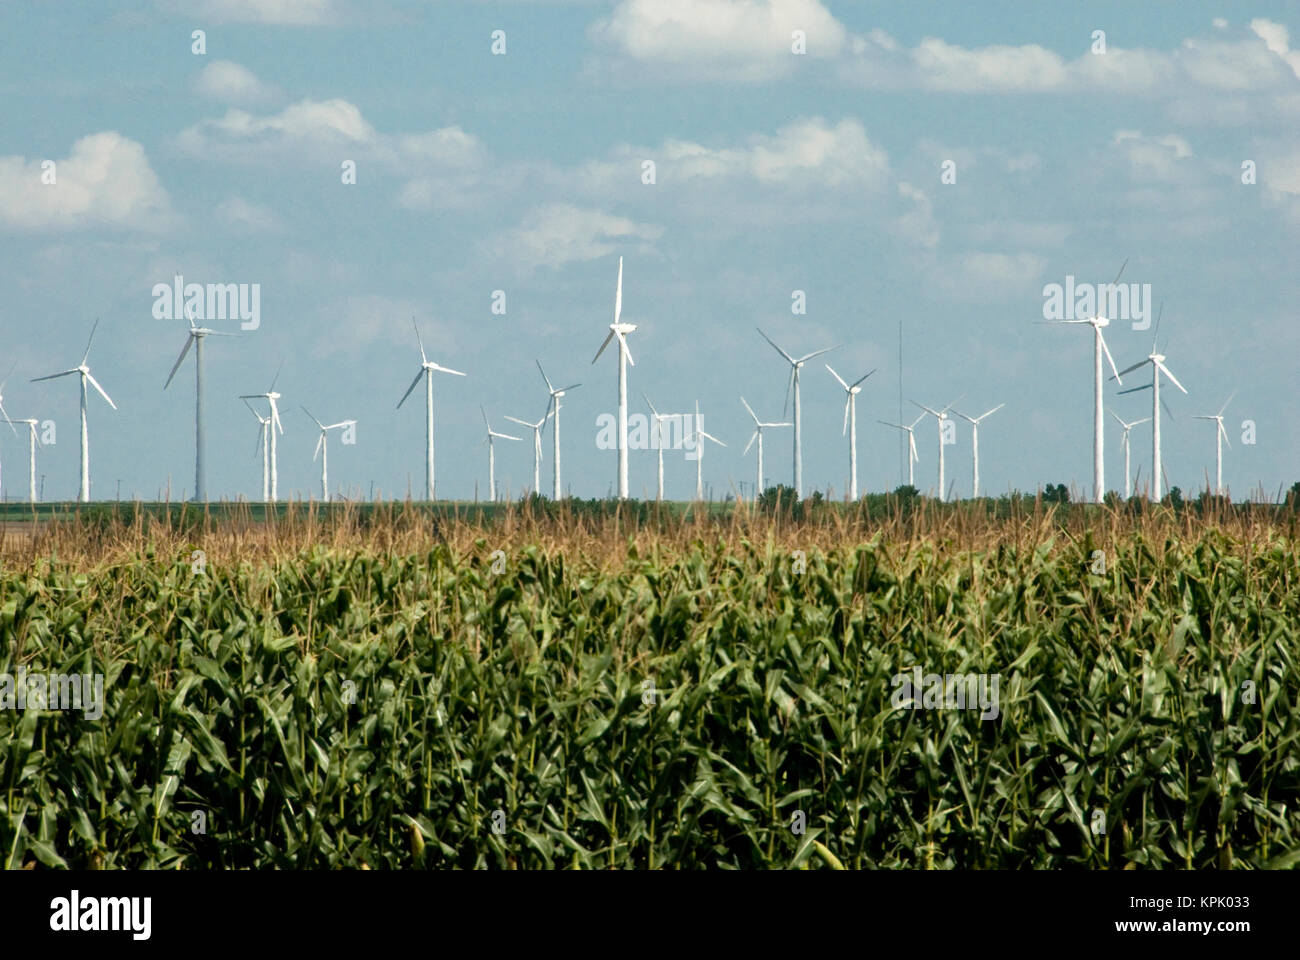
x=522 y=172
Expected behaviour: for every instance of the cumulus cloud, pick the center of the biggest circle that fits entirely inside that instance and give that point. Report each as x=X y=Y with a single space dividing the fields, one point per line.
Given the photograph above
x=229 y=82
x=105 y=180
x=297 y=13
x=558 y=233
x=744 y=39
x=246 y=216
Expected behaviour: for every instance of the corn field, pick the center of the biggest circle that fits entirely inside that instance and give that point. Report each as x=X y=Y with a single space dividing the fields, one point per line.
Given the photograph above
x=334 y=689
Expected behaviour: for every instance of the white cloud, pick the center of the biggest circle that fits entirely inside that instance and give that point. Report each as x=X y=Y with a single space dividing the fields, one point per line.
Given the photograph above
x=559 y=233
x=285 y=12
x=105 y=180
x=988 y=276
x=740 y=39
x=1153 y=158
x=229 y=82
x=247 y=216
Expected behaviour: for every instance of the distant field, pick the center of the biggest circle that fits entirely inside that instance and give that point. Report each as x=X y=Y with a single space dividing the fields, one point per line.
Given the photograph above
x=600 y=685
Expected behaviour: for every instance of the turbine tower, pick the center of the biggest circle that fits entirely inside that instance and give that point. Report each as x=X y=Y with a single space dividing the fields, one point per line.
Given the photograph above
x=263 y=441
x=851 y=426
x=537 y=447
x=271 y=397
x=700 y=436
x=659 y=434
x=975 y=443
x=620 y=330
x=1098 y=349
x=795 y=366
x=1128 y=476
x=195 y=339
x=427 y=370
x=1220 y=438
x=32 y=442
x=758 y=435
x=555 y=427
x=84 y=371
x=1157 y=361
x=940 y=416
x=492 y=458
x=323 y=451
x=913 y=458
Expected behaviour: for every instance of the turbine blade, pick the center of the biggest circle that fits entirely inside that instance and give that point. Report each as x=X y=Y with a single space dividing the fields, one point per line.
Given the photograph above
x=1167 y=409
x=96 y=385
x=179 y=360
x=626 y=349
x=1225 y=435
x=860 y=379
x=309 y=413
x=750 y=409
x=928 y=410
x=888 y=424
x=845 y=429
x=485 y=419
x=90 y=340
x=544 y=376
x=441 y=369
x=7 y=420
x=419 y=340
x=1145 y=386
x=260 y=431
x=1106 y=350
x=836 y=376
x=815 y=353
x=53 y=376
x=410 y=388
x=774 y=346
x=1160 y=312
x=522 y=423
x=1172 y=378
x=712 y=437
x=911 y=442
x=789 y=384
x=618 y=293
x=608 y=337
x=989 y=413
x=1121 y=272
x=572 y=386
x=650 y=405
x=1118 y=420
x=318 y=445
x=1120 y=373
x=1226 y=402
x=751 y=442
x=276 y=378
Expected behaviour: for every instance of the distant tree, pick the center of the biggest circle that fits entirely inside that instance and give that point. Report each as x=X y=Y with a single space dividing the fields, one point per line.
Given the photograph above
x=1293 y=495
x=909 y=492
x=1113 y=499
x=1057 y=493
x=1175 y=497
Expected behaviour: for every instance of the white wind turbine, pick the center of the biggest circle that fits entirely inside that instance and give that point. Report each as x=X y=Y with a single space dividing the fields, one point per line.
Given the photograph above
x=851 y=426
x=975 y=443
x=758 y=435
x=913 y=457
x=1098 y=420
x=537 y=447
x=620 y=330
x=700 y=436
x=555 y=427
x=263 y=440
x=1128 y=477
x=795 y=366
x=1157 y=361
x=1220 y=438
x=3 y=414
x=323 y=451
x=427 y=370
x=492 y=457
x=659 y=434
x=32 y=442
x=84 y=371
x=195 y=339
x=940 y=416
x=271 y=397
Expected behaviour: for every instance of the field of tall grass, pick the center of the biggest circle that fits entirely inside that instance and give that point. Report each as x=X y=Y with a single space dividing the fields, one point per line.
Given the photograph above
x=602 y=685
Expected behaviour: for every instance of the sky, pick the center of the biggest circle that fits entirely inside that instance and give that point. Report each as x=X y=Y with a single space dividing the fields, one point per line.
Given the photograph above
x=932 y=168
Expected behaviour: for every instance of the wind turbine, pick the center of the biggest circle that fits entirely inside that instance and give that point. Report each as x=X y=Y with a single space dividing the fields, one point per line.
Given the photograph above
x=795 y=366
x=195 y=339
x=555 y=427
x=3 y=414
x=84 y=371
x=1098 y=421
x=659 y=433
x=427 y=370
x=851 y=421
x=913 y=457
x=940 y=416
x=33 y=441
x=323 y=451
x=537 y=447
x=274 y=424
x=975 y=443
x=700 y=436
x=620 y=330
x=758 y=435
x=263 y=440
x=1157 y=361
x=1128 y=489
x=1220 y=438
x=492 y=457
